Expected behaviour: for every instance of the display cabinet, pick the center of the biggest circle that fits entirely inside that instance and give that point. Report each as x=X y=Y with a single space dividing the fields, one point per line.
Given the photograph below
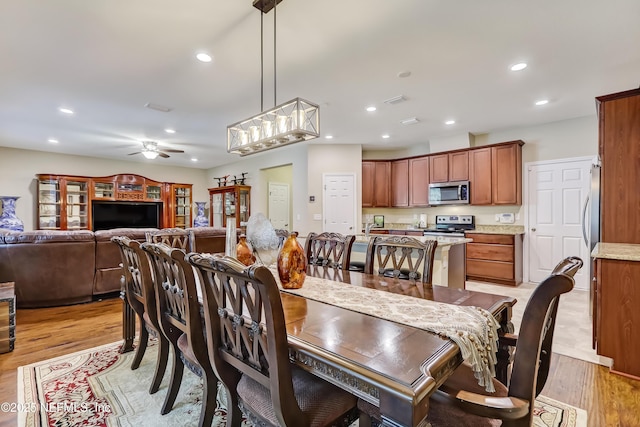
x=63 y=203
x=232 y=201
x=178 y=205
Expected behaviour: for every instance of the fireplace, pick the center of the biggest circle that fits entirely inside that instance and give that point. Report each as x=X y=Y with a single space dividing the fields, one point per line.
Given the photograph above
x=107 y=215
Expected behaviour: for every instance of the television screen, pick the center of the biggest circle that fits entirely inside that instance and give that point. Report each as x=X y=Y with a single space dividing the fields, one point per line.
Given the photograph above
x=107 y=215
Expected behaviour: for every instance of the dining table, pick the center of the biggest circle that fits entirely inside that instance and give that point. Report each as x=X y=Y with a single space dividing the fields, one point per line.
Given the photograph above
x=387 y=363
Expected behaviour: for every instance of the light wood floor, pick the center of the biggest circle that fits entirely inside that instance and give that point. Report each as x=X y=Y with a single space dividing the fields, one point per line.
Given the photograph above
x=610 y=400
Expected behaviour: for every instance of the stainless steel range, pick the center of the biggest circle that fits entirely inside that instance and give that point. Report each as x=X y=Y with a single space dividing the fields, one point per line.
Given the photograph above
x=451 y=225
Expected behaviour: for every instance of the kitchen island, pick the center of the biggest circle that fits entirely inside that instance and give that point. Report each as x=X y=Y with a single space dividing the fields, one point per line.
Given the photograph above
x=449 y=264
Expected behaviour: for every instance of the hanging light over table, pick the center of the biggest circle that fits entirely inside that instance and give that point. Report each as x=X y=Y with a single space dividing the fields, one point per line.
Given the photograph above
x=294 y=121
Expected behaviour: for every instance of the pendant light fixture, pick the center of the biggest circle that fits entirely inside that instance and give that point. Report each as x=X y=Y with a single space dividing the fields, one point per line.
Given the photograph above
x=294 y=121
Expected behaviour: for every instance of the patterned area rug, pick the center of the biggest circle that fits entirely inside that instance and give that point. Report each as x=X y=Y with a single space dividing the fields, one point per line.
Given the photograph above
x=96 y=387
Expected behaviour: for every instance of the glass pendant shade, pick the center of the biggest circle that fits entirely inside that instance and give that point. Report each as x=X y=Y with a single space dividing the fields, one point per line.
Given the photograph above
x=294 y=121
x=150 y=154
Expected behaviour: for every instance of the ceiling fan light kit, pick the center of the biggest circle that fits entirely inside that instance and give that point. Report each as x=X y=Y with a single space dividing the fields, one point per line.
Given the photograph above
x=150 y=150
x=294 y=121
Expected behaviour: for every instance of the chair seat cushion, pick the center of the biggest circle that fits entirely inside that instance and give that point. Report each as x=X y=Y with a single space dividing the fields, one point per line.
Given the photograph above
x=405 y=273
x=188 y=356
x=356 y=266
x=321 y=401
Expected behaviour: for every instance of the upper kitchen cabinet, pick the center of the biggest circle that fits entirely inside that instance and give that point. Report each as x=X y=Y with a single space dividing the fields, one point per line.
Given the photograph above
x=376 y=183
x=449 y=167
x=419 y=181
x=400 y=183
x=619 y=148
x=495 y=174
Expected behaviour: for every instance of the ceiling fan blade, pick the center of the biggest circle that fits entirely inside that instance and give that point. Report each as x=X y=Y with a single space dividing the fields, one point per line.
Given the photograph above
x=137 y=152
x=161 y=154
x=171 y=150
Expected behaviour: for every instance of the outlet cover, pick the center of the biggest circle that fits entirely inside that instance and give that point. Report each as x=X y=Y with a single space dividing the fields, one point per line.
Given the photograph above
x=317 y=217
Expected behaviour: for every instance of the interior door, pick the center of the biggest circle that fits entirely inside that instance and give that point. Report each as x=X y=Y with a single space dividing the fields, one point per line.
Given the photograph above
x=557 y=192
x=339 y=203
x=279 y=205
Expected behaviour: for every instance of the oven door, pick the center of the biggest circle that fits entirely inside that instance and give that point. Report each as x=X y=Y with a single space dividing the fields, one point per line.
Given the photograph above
x=449 y=193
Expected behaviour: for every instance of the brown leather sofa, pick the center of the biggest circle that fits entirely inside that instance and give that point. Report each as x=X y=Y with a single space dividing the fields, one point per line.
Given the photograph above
x=53 y=268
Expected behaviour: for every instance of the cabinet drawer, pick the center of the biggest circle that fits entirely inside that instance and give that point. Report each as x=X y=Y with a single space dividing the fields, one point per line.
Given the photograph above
x=490 y=252
x=490 y=269
x=500 y=239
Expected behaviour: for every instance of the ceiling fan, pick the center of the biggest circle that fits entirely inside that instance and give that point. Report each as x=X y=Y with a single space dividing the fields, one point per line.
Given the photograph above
x=150 y=150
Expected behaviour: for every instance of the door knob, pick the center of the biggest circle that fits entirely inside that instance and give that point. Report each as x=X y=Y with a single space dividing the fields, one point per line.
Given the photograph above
x=350 y=228
x=533 y=229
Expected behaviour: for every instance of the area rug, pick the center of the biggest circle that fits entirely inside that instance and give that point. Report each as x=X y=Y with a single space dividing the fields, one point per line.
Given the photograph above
x=97 y=387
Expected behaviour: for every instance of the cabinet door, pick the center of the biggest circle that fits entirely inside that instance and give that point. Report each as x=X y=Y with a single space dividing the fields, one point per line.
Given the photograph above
x=506 y=174
x=439 y=168
x=459 y=166
x=480 y=176
x=400 y=183
x=419 y=181
x=75 y=204
x=368 y=174
x=49 y=204
x=381 y=189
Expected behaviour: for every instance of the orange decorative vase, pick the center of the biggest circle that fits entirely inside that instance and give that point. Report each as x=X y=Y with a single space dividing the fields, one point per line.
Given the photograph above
x=292 y=263
x=244 y=254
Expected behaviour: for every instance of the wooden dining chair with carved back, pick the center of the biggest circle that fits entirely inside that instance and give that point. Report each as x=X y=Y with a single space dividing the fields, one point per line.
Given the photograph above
x=460 y=401
x=402 y=257
x=329 y=249
x=173 y=237
x=181 y=322
x=282 y=235
x=140 y=294
x=248 y=347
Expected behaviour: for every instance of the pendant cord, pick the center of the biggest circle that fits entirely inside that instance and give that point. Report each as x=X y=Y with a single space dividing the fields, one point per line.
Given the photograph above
x=275 y=4
x=261 y=62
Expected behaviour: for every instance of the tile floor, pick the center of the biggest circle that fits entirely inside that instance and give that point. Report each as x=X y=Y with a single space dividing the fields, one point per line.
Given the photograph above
x=572 y=336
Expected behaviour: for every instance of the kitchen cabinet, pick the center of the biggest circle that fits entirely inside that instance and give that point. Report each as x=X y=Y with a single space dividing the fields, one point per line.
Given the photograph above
x=376 y=184
x=419 y=181
x=400 y=183
x=616 y=318
x=495 y=174
x=449 y=167
x=495 y=258
x=407 y=232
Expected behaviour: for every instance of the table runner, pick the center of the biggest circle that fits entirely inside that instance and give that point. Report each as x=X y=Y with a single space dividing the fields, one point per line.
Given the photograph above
x=473 y=329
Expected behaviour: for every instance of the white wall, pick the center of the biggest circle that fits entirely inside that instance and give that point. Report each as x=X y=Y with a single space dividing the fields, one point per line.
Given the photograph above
x=18 y=170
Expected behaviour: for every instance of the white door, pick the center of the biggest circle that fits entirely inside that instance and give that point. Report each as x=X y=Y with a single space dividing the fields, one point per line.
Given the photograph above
x=557 y=191
x=339 y=203
x=279 y=205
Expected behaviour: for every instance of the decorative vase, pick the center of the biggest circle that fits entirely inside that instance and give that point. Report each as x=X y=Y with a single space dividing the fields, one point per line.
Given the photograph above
x=200 y=220
x=8 y=219
x=244 y=254
x=292 y=263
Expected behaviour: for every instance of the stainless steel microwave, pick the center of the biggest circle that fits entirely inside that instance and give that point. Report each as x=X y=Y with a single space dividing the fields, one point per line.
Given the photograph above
x=449 y=193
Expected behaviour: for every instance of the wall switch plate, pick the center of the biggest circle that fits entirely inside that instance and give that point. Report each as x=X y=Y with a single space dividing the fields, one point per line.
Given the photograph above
x=317 y=217
x=507 y=218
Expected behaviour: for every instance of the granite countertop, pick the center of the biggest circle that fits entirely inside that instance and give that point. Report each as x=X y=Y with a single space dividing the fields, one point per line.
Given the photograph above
x=442 y=240
x=485 y=229
x=619 y=251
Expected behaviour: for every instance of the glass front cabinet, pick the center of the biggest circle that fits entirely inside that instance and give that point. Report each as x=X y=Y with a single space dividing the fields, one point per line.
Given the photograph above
x=232 y=202
x=67 y=202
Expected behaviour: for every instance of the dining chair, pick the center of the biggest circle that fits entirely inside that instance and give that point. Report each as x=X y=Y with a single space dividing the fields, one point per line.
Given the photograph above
x=460 y=401
x=248 y=348
x=282 y=235
x=402 y=257
x=181 y=322
x=173 y=237
x=329 y=249
x=140 y=294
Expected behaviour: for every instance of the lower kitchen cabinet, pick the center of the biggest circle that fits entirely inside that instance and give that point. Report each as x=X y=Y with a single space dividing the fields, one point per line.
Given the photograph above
x=495 y=258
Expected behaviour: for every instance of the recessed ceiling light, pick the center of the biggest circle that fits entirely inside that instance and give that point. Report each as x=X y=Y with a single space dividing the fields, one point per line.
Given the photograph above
x=385 y=136
x=65 y=110
x=371 y=109
x=203 y=57
x=52 y=140
x=328 y=137
x=193 y=159
x=170 y=130
x=450 y=122
x=542 y=102
x=519 y=66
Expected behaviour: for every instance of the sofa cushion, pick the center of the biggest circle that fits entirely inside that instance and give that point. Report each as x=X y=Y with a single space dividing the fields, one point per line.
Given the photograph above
x=48 y=236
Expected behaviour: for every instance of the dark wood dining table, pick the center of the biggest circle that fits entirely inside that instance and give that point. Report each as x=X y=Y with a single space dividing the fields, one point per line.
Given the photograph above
x=391 y=365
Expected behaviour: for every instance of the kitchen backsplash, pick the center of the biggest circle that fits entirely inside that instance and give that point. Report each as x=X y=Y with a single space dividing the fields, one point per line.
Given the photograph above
x=484 y=215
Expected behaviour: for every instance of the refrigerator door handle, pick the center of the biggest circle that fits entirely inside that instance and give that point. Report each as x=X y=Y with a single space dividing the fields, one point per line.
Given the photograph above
x=584 y=221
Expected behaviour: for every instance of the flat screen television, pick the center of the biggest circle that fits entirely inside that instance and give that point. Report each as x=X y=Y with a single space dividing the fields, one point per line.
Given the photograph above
x=107 y=215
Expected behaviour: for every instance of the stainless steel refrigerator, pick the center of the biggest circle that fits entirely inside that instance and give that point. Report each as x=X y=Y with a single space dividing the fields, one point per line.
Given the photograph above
x=591 y=222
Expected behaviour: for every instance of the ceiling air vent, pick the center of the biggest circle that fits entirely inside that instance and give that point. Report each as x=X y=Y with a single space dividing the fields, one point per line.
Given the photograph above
x=157 y=107
x=395 y=100
x=410 y=121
